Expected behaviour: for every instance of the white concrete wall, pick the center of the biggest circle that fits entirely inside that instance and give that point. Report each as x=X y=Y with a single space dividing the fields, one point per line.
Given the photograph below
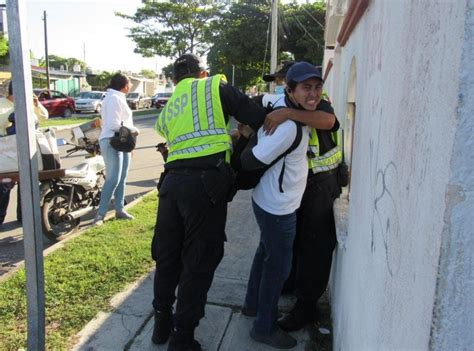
x=412 y=179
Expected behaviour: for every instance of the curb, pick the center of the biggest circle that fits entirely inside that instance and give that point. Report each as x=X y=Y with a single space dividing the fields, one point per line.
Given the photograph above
x=110 y=214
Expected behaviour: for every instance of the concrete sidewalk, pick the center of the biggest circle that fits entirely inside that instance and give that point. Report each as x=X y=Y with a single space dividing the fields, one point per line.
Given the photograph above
x=129 y=326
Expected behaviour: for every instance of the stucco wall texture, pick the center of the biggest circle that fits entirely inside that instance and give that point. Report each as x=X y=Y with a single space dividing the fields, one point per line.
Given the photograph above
x=403 y=280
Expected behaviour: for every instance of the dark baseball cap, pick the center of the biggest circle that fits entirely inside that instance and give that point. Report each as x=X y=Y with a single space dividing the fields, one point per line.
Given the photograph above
x=301 y=71
x=187 y=65
x=279 y=74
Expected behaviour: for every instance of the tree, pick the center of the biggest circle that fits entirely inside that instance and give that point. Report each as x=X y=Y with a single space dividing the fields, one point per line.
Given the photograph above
x=168 y=71
x=240 y=38
x=172 y=28
x=67 y=63
x=4 y=50
x=100 y=81
x=148 y=73
x=301 y=31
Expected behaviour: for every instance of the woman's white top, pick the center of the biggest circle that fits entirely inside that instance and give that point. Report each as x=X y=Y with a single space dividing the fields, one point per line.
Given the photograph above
x=114 y=111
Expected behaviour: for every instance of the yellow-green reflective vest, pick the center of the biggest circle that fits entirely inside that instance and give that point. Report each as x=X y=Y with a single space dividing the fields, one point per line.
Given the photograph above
x=322 y=163
x=193 y=122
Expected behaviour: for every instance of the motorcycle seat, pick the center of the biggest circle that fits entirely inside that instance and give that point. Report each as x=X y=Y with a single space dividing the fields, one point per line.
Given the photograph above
x=79 y=171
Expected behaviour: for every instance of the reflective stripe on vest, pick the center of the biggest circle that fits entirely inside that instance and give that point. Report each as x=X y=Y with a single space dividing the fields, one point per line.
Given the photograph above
x=192 y=121
x=322 y=163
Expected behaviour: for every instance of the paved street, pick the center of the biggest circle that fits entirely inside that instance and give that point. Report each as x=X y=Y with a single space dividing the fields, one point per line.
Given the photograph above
x=145 y=170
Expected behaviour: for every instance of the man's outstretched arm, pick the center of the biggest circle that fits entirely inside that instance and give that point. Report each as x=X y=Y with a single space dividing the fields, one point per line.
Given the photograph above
x=315 y=119
x=323 y=118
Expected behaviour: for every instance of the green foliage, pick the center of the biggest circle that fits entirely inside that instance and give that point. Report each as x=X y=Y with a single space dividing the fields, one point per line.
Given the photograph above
x=236 y=35
x=80 y=279
x=148 y=73
x=100 y=81
x=168 y=70
x=240 y=39
x=4 y=50
x=68 y=63
x=301 y=31
x=172 y=28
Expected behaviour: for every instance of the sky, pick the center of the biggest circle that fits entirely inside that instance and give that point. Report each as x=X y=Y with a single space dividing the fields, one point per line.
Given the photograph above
x=75 y=24
x=91 y=24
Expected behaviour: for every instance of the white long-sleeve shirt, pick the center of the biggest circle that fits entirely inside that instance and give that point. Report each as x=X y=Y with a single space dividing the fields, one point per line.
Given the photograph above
x=114 y=111
x=7 y=107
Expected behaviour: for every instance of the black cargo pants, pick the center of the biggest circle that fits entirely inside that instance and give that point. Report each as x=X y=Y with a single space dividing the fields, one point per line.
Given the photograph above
x=315 y=240
x=188 y=243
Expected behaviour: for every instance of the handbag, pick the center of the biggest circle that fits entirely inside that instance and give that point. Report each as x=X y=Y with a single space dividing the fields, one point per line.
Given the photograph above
x=123 y=140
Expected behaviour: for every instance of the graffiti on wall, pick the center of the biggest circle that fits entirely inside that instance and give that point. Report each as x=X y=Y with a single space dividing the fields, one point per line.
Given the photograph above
x=385 y=227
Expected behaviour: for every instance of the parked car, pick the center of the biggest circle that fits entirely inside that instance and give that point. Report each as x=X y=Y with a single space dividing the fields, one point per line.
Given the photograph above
x=160 y=99
x=57 y=103
x=81 y=95
x=90 y=102
x=138 y=101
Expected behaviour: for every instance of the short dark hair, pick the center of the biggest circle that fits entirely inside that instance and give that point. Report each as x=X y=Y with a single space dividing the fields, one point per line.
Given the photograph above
x=10 y=88
x=118 y=81
x=291 y=85
x=187 y=66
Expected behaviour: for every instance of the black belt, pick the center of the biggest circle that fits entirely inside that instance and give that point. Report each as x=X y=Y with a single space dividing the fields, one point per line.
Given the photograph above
x=321 y=175
x=186 y=171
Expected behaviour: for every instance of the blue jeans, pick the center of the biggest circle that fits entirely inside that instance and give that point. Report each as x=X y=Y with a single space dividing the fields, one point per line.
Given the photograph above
x=271 y=266
x=116 y=171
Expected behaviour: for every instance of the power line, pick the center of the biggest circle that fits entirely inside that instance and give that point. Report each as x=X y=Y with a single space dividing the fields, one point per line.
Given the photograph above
x=314 y=19
x=305 y=30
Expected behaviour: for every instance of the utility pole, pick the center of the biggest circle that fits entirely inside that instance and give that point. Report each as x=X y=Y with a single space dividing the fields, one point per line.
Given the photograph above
x=28 y=171
x=274 y=36
x=84 y=55
x=46 y=57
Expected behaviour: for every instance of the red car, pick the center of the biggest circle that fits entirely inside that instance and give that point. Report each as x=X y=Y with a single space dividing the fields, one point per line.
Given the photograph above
x=159 y=100
x=56 y=102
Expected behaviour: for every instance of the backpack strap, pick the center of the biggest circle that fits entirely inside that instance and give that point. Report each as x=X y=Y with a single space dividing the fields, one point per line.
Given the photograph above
x=293 y=146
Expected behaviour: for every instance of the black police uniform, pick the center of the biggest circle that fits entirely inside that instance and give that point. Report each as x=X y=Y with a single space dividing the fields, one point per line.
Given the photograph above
x=316 y=232
x=188 y=243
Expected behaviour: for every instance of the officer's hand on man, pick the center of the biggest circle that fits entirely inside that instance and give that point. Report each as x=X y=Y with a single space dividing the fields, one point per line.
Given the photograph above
x=274 y=119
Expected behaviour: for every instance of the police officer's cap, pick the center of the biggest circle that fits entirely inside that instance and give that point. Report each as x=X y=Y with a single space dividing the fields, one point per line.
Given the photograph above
x=280 y=73
x=187 y=65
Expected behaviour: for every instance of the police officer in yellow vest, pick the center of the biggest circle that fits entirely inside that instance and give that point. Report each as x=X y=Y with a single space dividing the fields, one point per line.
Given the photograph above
x=316 y=232
x=188 y=243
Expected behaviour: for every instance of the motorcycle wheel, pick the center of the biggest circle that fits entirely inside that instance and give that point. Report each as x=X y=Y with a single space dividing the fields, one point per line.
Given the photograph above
x=55 y=206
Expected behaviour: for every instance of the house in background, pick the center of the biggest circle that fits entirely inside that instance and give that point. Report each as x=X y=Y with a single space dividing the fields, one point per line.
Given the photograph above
x=146 y=86
x=401 y=78
x=67 y=82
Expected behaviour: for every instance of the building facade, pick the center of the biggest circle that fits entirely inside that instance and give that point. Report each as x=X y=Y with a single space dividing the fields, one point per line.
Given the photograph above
x=400 y=75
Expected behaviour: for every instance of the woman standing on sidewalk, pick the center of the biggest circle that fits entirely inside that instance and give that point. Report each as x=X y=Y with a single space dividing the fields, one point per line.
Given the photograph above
x=115 y=111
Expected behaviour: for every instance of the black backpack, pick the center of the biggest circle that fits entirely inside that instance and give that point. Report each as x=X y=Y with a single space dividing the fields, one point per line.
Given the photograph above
x=245 y=179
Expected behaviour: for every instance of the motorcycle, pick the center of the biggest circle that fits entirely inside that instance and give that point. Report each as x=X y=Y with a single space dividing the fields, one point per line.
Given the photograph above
x=64 y=200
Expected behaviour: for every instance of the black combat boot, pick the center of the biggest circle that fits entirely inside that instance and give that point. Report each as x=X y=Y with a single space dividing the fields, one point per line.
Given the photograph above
x=301 y=315
x=162 y=327
x=181 y=340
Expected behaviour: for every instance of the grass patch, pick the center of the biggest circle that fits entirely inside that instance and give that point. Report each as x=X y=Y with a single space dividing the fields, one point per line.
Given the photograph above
x=81 y=278
x=59 y=121
x=151 y=111
x=55 y=122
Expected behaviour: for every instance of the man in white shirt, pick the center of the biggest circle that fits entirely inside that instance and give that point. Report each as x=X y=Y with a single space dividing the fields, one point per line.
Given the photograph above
x=275 y=200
